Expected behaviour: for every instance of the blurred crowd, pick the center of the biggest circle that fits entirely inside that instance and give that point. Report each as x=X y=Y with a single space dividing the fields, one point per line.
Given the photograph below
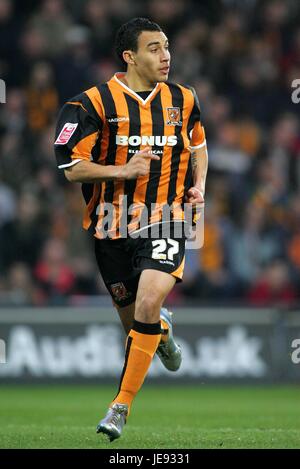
x=241 y=57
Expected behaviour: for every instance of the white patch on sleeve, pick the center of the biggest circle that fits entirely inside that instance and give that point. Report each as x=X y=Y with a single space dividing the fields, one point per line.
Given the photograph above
x=66 y=133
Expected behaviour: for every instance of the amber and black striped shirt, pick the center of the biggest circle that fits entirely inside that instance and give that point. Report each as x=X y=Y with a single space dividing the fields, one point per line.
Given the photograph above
x=108 y=124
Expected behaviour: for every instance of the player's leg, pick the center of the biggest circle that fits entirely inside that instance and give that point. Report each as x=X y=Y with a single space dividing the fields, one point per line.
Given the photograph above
x=153 y=288
x=145 y=335
x=155 y=282
x=142 y=342
x=168 y=351
x=166 y=254
x=126 y=315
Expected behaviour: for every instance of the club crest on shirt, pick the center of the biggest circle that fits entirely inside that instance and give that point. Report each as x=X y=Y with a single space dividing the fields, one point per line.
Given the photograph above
x=119 y=291
x=174 y=116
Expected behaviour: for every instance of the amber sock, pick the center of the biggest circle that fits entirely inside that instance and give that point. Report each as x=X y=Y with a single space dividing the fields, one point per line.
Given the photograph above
x=142 y=342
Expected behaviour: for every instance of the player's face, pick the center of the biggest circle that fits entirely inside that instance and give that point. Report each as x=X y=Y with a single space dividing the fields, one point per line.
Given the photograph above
x=152 y=58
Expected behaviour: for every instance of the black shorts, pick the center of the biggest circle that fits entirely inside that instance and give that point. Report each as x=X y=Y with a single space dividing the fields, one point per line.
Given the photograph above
x=121 y=262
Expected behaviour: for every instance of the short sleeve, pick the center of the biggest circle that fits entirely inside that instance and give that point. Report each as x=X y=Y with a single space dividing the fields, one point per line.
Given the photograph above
x=195 y=128
x=77 y=131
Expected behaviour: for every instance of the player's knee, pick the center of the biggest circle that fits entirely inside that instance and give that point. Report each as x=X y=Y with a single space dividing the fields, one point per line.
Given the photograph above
x=147 y=309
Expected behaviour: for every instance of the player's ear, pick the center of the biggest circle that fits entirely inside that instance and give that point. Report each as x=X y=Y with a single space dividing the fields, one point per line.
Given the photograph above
x=128 y=56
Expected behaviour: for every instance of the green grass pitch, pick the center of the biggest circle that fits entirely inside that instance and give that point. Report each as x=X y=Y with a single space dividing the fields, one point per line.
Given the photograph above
x=162 y=417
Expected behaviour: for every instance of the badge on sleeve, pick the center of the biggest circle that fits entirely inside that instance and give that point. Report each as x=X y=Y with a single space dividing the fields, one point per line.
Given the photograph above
x=66 y=133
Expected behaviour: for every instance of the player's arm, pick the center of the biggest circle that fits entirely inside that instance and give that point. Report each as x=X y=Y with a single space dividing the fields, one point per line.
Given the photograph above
x=79 y=129
x=87 y=171
x=199 y=157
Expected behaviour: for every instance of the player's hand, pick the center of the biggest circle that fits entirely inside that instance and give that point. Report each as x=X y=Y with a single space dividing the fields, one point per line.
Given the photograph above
x=139 y=164
x=194 y=196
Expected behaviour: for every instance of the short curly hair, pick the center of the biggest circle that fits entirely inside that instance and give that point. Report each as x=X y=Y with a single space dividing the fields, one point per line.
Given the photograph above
x=128 y=34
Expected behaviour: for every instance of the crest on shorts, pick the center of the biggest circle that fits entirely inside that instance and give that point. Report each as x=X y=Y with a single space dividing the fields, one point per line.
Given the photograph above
x=119 y=291
x=174 y=116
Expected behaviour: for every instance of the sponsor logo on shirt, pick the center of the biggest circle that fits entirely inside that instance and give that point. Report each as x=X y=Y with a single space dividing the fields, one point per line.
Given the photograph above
x=157 y=140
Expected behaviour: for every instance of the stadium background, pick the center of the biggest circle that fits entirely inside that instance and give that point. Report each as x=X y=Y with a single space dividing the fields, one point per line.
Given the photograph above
x=242 y=287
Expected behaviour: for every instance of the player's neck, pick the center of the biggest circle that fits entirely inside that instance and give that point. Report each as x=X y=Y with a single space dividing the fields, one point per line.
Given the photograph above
x=137 y=83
